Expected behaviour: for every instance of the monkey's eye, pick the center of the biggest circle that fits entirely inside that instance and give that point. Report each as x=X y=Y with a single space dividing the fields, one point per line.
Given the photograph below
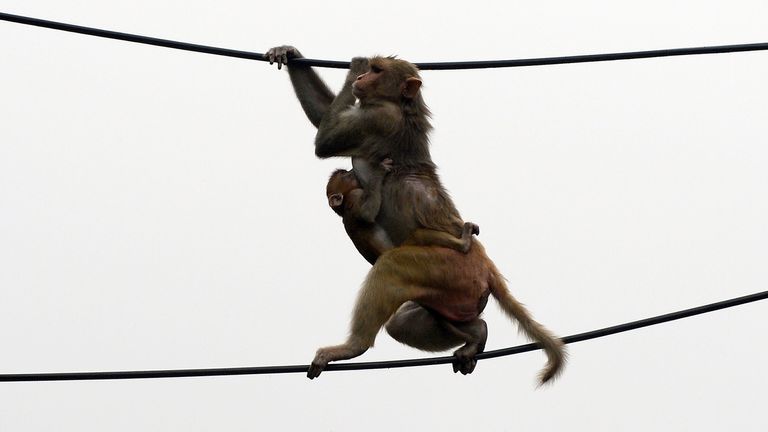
x=375 y=69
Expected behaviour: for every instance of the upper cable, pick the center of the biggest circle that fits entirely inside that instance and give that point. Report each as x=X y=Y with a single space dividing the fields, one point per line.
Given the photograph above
x=482 y=64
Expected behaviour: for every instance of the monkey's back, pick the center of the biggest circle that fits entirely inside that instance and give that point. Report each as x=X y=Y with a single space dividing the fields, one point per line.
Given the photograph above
x=456 y=285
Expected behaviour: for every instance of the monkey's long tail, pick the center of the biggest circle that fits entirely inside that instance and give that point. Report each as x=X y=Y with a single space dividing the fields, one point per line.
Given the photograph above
x=551 y=344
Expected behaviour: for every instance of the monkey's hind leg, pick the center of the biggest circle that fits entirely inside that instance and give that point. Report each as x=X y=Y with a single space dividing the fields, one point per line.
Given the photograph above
x=381 y=294
x=429 y=237
x=466 y=234
x=416 y=326
x=420 y=328
x=345 y=351
x=475 y=334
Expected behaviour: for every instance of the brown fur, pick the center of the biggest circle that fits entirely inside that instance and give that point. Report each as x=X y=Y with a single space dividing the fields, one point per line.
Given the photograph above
x=411 y=289
x=437 y=276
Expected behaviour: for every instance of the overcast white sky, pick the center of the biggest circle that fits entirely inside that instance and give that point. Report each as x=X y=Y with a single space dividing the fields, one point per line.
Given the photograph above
x=164 y=209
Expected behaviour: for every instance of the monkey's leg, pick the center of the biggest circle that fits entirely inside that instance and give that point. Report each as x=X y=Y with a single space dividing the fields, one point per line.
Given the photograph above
x=348 y=350
x=466 y=234
x=380 y=296
x=429 y=237
x=421 y=328
x=313 y=94
x=476 y=333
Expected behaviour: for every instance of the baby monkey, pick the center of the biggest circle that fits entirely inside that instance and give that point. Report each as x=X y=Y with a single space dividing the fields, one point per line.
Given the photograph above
x=348 y=199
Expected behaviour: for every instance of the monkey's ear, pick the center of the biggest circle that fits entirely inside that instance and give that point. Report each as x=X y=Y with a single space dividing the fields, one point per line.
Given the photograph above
x=411 y=87
x=335 y=200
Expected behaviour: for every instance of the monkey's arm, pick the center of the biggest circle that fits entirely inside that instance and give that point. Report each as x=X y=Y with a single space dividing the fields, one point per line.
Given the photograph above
x=341 y=131
x=314 y=95
x=365 y=204
x=369 y=204
x=348 y=129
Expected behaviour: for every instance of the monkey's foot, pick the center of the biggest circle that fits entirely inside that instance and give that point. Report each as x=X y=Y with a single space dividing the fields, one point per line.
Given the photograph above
x=333 y=353
x=466 y=236
x=465 y=359
x=318 y=365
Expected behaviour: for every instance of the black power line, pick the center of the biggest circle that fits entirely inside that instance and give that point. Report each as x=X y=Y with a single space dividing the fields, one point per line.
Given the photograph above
x=423 y=66
x=178 y=373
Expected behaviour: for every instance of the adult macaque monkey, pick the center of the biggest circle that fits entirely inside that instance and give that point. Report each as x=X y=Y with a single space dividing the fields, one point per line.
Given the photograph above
x=428 y=297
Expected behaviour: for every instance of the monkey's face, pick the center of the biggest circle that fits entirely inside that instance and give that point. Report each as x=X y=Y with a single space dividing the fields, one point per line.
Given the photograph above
x=366 y=84
x=387 y=78
x=339 y=185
